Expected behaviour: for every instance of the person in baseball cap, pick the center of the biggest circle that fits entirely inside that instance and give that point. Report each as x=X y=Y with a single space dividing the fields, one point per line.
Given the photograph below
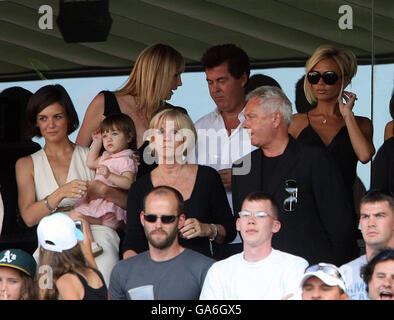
x=57 y=232
x=323 y=281
x=74 y=274
x=17 y=271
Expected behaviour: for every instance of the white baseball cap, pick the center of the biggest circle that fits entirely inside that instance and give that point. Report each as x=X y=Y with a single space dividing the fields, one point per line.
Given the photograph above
x=57 y=232
x=326 y=272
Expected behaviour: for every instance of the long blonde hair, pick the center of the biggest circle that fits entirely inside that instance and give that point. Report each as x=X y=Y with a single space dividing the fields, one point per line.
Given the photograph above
x=345 y=59
x=150 y=79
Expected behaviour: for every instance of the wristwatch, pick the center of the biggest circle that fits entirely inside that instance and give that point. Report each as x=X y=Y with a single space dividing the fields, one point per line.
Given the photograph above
x=51 y=210
x=215 y=232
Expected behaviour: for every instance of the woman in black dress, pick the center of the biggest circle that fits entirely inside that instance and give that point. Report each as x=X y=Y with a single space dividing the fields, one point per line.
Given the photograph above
x=209 y=220
x=332 y=124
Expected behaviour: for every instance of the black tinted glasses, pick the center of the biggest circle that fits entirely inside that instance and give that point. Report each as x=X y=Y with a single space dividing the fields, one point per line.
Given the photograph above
x=329 y=77
x=166 y=219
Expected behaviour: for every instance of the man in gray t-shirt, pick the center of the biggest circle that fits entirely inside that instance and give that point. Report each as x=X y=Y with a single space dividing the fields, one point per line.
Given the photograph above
x=167 y=271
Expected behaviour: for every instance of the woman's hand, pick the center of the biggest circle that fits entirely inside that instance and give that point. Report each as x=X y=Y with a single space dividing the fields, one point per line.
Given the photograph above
x=74 y=189
x=346 y=108
x=193 y=228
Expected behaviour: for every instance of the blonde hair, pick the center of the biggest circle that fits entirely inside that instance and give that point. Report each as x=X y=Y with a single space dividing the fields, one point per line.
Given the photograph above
x=345 y=59
x=181 y=122
x=150 y=79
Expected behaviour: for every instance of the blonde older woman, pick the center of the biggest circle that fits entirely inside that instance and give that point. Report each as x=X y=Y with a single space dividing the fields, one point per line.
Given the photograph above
x=332 y=124
x=209 y=219
x=155 y=75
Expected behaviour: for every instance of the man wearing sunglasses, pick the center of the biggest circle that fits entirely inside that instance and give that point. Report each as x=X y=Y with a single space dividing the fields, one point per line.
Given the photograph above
x=323 y=281
x=303 y=180
x=377 y=229
x=167 y=271
x=260 y=271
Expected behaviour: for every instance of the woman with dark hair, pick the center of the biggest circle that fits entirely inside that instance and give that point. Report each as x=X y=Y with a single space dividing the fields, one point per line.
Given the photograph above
x=56 y=177
x=155 y=75
x=332 y=124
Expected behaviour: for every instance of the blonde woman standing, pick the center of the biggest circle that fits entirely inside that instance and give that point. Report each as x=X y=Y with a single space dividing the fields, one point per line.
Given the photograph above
x=332 y=124
x=155 y=75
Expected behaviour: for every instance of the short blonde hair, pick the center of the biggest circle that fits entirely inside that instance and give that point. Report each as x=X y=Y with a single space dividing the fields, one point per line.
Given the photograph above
x=181 y=122
x=345 y=59
x=150 y=79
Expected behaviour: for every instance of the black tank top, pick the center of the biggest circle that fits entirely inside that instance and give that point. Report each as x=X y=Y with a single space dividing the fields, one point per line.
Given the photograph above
x=93 y=293
x=342 y=152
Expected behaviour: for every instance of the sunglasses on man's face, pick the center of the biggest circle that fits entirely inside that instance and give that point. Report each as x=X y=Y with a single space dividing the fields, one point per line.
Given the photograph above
x=166 y=219
x=329 y=77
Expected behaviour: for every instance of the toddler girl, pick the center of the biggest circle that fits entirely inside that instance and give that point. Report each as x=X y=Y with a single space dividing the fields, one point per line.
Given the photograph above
x=115 y=168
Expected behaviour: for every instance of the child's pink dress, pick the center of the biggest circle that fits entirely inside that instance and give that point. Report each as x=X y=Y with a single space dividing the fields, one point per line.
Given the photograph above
x=117 y=163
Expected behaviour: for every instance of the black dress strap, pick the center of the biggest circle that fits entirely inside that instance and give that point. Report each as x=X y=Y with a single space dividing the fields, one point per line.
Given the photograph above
x=111 y=105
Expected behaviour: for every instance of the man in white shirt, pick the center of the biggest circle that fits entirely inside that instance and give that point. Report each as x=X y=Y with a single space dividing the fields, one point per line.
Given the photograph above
x=259 y=272
x=377 y=228
x=221 y=138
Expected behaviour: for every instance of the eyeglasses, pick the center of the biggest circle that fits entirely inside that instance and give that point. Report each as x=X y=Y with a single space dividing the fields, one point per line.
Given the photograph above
x=257 y=214
x=166 y=219
x=289 y=204
x=328 y=269
x=329 y=77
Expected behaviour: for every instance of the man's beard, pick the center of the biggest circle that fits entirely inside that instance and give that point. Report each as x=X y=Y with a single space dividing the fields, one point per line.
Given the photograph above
x=163 y=242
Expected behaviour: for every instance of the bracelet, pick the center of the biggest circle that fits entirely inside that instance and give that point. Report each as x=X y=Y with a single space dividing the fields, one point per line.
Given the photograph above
x=215 y=232
x=51 y=210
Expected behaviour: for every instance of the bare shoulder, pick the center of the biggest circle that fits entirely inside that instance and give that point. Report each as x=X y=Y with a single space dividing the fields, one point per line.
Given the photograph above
x=70 y=287
x=24 y=164
x=298 y=122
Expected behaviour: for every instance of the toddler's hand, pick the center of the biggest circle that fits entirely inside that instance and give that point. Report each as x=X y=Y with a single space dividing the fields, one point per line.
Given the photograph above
x=104 y=171
x=96 y=135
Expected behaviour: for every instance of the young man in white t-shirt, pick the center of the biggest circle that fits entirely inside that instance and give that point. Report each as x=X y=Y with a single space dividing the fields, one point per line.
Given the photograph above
x=259 y=272
x=377 y=228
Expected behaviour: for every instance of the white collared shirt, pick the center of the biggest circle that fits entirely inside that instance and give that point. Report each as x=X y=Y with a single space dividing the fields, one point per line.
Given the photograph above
x=215 y=148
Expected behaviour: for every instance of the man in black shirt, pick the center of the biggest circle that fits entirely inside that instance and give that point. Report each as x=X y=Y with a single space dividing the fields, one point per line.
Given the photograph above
x=314 y=213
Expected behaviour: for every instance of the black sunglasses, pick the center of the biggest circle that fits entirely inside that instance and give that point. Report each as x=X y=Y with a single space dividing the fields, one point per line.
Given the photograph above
x=329 y=77
x=166 y=219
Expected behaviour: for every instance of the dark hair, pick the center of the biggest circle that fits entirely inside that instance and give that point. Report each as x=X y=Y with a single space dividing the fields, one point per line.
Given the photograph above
x=164 y=190
x=367 y=270
x=392 y=106
x=373 y=196
x=44 y=97
x=258 y=196
x=123 y=123
x=301 y=103
x=13 y=102
x=238 y=60
x=258 y=80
